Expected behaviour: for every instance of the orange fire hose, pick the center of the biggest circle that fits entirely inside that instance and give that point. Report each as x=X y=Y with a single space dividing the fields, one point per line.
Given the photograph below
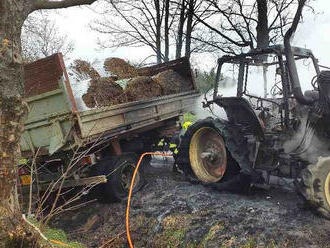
x=131 y=191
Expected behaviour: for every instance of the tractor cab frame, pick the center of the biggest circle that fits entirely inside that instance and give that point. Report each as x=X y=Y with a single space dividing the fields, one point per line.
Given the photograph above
x=288 y=90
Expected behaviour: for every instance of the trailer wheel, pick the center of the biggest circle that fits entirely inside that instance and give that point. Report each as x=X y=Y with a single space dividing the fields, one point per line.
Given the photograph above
x=315 y=186
x=119 y=171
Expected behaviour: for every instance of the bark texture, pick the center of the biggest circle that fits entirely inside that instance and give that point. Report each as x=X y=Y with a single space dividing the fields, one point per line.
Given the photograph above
x=158 y=31
x=189 y=30
x=12 y=17
x=12 y=110
x=167 y=30
x=262 y=27
x=182 y=20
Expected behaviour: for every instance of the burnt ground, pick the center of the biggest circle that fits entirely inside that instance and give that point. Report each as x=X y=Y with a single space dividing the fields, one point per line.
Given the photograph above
x=171 y=212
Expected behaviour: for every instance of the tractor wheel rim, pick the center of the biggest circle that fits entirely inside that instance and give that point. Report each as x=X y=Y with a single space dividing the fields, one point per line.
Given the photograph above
x=126 y=176
x=207 y=154
x=327 y=188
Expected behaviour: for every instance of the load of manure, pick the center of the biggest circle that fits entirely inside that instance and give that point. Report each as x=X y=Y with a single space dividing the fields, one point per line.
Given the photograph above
x=120 y=68
x=170 y=81
x=103 y=92
x=142 y=88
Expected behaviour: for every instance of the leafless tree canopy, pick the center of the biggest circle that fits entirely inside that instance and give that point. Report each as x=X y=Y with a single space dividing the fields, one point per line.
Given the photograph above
x=160 y=25
x=239 y=25
x=41 y=37
x=194 y=25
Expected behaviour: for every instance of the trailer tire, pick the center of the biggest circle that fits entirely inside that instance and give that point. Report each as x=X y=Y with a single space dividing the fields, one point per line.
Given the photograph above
x=119 y=170
x=315 y=186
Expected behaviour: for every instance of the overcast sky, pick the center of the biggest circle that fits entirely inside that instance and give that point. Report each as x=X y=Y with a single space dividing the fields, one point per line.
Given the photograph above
x=313 y=33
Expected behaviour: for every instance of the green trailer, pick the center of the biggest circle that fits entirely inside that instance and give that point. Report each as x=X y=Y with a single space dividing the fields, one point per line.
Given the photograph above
x=105 y=138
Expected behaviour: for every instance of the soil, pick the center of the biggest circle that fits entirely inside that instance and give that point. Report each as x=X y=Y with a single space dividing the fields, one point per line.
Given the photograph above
x=171 y=212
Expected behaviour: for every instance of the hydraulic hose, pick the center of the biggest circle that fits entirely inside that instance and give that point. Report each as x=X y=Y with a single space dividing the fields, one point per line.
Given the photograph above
x=131 y=191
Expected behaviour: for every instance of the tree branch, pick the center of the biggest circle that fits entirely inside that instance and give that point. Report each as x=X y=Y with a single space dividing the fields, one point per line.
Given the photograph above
x=45 y=4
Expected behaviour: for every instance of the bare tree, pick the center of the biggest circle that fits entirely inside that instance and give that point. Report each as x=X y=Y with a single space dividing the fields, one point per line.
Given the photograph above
x=12 y=107
x=140 y=24
x=195 y=25
x=41 y=37
x=246 y=24
x=159 y=25
x=181 y=21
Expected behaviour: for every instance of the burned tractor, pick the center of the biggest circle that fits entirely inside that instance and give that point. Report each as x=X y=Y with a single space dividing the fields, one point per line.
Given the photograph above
x=284 y=133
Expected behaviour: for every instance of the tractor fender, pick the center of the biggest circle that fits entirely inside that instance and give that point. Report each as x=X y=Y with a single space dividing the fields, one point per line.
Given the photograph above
x=237 y=145
x=235 y=141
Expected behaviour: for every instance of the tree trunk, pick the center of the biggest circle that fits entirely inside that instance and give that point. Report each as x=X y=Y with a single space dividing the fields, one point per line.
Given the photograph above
x=166 y=31
x=262 y=27
x=11 y=91
x=189 y=27
x=179 y=41
x=158 y=32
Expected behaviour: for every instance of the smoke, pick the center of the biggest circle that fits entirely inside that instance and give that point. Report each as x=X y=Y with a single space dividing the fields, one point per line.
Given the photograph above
x=79 y=88
x=305 y=144
x=214 y=110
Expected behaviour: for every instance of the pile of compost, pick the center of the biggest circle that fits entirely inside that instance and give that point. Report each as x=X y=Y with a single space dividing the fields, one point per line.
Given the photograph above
x=82 y=69
x=133 y=84
x=141 y=88
x=170 y=81
x=120 y=68
x=103 y=92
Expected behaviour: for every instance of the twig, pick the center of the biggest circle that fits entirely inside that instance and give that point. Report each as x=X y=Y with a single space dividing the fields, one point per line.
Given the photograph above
x=111 y=240
x=37 y=229
x=31 y=184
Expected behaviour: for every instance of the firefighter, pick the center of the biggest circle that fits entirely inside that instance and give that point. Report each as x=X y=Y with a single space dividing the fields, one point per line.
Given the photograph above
x=173 y=143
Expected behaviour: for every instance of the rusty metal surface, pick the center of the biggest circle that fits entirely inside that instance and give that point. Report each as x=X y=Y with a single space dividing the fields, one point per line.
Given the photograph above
x=67 y=84
x=135 y=114
x=42 y=75
x=45 y=75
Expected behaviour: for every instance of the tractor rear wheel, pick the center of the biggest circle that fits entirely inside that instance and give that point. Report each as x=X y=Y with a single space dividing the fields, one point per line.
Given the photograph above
x=207 y=155
x=203 y=154
x=316 y=186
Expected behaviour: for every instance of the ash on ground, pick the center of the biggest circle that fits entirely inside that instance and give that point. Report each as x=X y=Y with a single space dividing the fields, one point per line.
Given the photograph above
x=171 y=212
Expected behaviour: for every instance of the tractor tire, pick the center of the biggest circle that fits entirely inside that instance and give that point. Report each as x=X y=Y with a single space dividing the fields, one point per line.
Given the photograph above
x=315 y=186
x=183 y=157
x=119 y=171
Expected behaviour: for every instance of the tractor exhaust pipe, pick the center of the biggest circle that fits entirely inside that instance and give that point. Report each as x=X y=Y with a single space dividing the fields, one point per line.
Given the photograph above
x=296 y=88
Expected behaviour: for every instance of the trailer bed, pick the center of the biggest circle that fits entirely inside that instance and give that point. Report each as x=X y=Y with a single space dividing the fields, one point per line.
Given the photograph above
x=55 y=124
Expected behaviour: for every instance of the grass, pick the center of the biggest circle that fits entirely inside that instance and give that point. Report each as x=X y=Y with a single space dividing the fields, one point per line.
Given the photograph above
x=57 y=237
x=251 y=243
x=211 y=234
x=174 y=231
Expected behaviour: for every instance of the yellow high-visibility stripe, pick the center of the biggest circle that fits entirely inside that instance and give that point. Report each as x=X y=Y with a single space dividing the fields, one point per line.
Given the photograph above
x=172 y=145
